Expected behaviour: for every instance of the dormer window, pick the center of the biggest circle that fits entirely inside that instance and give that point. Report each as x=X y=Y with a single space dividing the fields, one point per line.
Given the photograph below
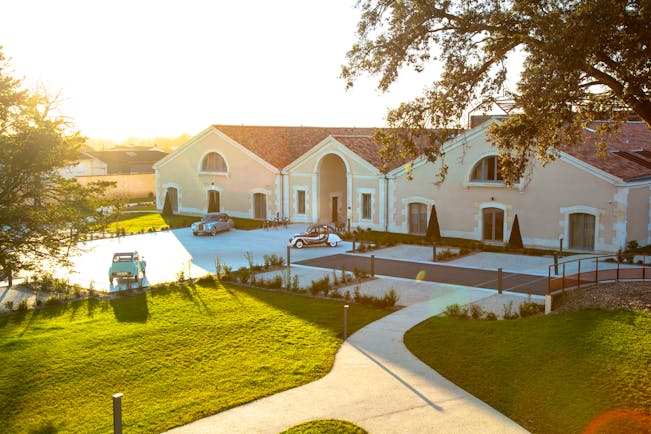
x=486 y=170
x=213 y=162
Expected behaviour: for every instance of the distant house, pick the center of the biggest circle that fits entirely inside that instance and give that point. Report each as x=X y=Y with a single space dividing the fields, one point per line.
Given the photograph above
x=114 y=162
x=311 y=174
x=127 y=161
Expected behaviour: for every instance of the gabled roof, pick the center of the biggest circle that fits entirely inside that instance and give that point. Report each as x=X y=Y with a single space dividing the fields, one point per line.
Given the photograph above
x=629 y=150
x=280 y=146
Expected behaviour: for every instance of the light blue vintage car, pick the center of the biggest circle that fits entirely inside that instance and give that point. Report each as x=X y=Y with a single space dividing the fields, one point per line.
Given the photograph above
x=127 y=265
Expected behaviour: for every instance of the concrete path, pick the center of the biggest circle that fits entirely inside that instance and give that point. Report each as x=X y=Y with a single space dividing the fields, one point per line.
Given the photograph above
x=375 y=383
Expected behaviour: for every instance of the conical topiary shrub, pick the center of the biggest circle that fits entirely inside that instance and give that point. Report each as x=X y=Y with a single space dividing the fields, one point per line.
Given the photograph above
x=433 y=229
x=515 y=241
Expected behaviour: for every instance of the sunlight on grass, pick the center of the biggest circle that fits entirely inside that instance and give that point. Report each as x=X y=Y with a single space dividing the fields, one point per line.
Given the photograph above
x=326 y=426
x=137 y=222
x=177 y=355
x=551 y=374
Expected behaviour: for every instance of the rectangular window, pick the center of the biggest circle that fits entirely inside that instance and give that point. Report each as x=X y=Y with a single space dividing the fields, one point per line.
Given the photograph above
x=300 y=201
x=366 y=206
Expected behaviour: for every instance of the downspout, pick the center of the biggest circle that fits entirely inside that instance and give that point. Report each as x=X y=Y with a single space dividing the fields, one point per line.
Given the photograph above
x=282 y=195
x=386 y=203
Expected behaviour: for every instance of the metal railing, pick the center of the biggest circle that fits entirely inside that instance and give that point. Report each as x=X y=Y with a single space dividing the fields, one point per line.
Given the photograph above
x=594 y=269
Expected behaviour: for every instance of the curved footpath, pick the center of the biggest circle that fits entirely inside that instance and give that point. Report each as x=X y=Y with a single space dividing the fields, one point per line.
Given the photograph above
x=375 y=383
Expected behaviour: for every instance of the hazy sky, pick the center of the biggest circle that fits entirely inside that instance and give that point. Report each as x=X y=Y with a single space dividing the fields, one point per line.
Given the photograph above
x=161 y=68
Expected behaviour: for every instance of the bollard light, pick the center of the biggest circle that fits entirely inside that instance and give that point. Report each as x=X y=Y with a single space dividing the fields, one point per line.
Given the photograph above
x=117 y=413
x=345 y=321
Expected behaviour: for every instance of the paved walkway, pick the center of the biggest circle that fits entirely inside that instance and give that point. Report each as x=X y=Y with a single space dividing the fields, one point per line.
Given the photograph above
x=375 y=383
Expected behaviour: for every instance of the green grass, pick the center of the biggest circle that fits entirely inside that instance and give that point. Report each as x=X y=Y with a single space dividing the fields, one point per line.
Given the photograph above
x=326 y=426
x=551 y=374
x=137 y=222
x=393 y=238
x=247 y=224
x=177 y=354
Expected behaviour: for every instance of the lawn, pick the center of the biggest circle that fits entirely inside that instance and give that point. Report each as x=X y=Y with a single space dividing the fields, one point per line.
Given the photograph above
x=137 y=222
x=177 y=354
x=326 y=426
x=551 y=374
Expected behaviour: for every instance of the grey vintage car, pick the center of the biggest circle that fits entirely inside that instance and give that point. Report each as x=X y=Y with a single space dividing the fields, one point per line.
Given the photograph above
x=212 y=223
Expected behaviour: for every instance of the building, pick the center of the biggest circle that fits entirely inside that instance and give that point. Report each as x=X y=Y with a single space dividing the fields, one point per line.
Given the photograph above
x=311 y=174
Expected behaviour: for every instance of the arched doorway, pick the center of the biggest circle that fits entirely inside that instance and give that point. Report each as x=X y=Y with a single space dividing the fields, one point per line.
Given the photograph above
x=214 y=201
x=171 y=203
x=492 y=224
x=581 y=231
x=333 y=190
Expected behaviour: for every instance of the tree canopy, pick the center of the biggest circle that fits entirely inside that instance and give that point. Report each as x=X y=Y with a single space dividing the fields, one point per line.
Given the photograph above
x=43 y=216
x=584 y=60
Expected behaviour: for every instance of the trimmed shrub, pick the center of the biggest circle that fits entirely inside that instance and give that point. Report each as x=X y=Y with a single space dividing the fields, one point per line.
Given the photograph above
x=22 y=306
x=508 y=311
x=455 y=311
x=530 y=309
x=491 y=316
x=475 y=311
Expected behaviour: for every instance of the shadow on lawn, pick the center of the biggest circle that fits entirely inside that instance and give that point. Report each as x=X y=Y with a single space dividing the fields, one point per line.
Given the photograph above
x=131 y=309
x=324 y=313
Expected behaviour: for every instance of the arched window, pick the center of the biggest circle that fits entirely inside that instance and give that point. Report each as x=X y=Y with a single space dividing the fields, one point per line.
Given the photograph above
x=486 y=170
x=213 y=162
x=417 y=218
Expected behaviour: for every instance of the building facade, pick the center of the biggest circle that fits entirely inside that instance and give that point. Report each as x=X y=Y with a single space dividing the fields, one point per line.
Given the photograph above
x=310 y=174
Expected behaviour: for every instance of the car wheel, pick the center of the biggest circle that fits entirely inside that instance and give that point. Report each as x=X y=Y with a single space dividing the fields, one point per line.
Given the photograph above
x=299 y=244
x=195 y=233
x=213 y=231
x=332 y=244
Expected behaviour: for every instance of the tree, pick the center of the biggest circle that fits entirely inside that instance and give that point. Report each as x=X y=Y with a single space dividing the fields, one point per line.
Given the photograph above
x=42 y=215
x=584 y=60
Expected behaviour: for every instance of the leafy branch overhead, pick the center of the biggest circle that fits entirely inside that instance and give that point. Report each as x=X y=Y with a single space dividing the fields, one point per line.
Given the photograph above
x=42 y=215
x=584 y=60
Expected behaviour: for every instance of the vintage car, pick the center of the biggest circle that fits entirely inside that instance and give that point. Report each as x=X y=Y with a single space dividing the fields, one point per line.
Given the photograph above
x=127 y=265
x=315 y=234
x=212 y=223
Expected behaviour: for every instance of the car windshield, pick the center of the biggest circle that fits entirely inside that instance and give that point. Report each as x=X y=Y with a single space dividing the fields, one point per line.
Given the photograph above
x=123 y=257
x=211 y=217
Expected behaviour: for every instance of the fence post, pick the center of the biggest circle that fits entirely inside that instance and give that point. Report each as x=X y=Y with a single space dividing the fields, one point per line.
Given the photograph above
x=556 y=263
x=345 y=321
x=117 y=413
x=499 y=281
x=373 y=265
x=354 y=239
x=433 y=252
x=549 y=280
x=563 y=283
x=579 y=275
x=289 y=268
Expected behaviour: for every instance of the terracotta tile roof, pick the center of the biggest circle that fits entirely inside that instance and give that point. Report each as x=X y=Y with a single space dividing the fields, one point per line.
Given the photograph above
x=629 y=150
x=279 y=146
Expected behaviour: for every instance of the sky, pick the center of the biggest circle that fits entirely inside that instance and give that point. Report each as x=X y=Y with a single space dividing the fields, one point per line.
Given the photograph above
x=143 y=68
